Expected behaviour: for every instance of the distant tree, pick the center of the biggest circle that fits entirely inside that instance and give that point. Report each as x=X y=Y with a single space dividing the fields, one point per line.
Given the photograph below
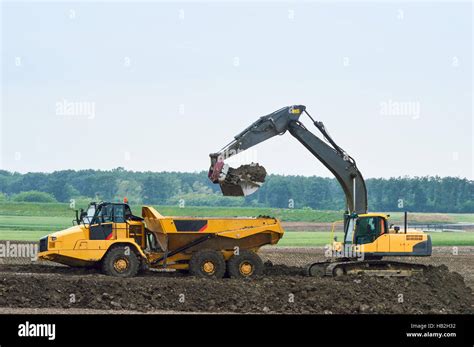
x=278 y=192
x=132 y=190
x=157 y=189
x=33 y=196
x=428 y=194
x=419 y=198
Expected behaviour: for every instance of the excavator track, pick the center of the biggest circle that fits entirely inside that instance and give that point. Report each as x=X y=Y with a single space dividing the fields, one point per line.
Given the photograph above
x=381 y=268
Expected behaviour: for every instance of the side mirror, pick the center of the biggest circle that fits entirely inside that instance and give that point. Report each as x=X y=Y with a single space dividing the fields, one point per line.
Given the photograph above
x=335 y=238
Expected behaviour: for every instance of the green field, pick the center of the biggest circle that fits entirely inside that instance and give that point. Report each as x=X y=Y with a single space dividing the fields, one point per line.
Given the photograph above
x=63 y=210
x=290 y=239
x=30 y=227
x=23 y=235
x=321 y=238
x=30 y=221
x=288 y=215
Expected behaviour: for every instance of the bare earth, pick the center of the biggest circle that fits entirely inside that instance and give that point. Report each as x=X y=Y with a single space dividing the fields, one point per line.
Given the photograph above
x=442 y=288
x=462 y=263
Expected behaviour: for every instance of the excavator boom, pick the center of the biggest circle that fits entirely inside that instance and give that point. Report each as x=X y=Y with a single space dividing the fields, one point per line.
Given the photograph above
x=285 y=119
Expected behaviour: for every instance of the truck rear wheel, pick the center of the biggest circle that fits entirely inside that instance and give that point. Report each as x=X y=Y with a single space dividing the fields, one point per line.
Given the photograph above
x=246 y=264
x=207 y=264
x=121 y=261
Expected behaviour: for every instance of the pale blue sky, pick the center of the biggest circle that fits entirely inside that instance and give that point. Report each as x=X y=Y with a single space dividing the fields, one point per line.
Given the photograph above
x=172 y=82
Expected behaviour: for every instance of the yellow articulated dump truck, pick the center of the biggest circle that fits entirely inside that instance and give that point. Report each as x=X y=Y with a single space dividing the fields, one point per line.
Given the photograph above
x=109 y=235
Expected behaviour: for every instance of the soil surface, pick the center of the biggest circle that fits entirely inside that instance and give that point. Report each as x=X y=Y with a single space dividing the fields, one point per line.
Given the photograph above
x=252 y=172
x=283 y=289
x=307 y=226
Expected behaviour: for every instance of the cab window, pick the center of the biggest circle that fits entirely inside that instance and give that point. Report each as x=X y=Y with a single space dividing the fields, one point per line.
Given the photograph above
x=104 y=214
x=119 y=214
x=368 y=229
x=350 y=231
x=116 y=213
x=128 y=212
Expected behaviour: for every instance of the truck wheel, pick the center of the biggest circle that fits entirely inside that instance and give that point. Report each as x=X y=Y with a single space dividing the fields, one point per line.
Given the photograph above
x=121 y=262
x=246 y=264
x=207 y=264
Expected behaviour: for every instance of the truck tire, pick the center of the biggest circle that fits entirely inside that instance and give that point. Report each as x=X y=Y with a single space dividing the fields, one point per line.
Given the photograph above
x=245 y=265
x=120 y=261
x=207 y=264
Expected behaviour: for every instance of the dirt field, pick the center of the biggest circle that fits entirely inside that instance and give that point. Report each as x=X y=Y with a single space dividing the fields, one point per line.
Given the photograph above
x=306 y=226
x=39 y=288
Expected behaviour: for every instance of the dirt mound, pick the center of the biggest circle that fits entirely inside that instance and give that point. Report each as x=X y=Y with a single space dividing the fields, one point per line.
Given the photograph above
x=283 y=289
x=252 y=172
x=282 y=270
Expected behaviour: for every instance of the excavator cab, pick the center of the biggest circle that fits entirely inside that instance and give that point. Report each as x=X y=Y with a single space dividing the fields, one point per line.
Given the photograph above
x=360 y=230
x=369 y=235
x=369 y=228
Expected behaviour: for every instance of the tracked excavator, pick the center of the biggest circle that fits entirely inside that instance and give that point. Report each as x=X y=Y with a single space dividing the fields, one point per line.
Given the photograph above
x=368 y=238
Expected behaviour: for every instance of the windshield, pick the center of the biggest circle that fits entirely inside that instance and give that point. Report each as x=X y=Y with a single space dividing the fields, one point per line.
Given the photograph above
x=89 y=214
x=368 y=229
x=350 y=230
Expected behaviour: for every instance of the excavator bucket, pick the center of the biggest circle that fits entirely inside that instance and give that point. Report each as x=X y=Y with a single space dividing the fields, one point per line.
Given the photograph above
x=241 y=181
x=243 y=188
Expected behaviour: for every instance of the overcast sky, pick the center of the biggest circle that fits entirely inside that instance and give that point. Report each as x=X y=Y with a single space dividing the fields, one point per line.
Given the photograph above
x=158 y=86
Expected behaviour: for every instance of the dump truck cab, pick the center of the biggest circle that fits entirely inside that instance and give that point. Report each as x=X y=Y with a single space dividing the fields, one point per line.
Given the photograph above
x=101 y=226
x=113 y=220
x=106 y=212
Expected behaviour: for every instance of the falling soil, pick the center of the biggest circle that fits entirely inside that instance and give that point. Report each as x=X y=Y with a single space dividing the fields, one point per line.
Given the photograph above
x=252 y=172
x=282 y=289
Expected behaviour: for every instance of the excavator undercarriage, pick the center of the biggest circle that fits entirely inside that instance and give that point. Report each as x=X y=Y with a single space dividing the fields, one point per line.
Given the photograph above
x=381 y=268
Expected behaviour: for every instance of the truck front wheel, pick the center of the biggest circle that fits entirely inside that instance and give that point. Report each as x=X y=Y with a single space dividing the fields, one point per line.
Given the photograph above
x=121 y=261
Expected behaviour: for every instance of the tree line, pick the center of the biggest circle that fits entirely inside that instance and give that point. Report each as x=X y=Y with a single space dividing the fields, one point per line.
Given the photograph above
x=416 y=194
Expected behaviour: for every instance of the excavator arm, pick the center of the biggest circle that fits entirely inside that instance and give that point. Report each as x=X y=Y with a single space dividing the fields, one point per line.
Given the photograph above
x=329 y=154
